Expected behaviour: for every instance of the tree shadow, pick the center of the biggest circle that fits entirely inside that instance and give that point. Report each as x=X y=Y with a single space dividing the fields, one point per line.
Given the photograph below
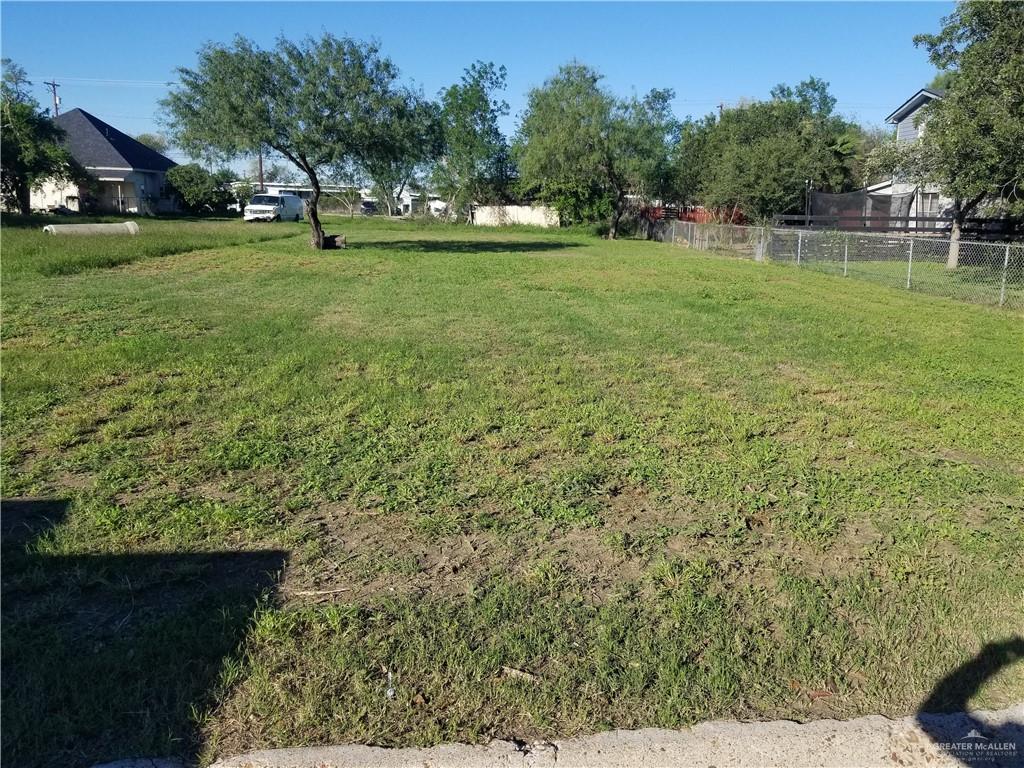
x=467 y=246
x=108 y=656
x=963 y=736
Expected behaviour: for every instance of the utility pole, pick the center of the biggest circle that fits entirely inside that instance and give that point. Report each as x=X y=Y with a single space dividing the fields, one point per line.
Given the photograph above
x=53 y=86
x=721 y=108
x=260 y=166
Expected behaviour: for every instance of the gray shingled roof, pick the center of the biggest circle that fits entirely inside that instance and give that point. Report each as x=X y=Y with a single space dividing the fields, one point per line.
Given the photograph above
x=95 y=144
x=920 y=98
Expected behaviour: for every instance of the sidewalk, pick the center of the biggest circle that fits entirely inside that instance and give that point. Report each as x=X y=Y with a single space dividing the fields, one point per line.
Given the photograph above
x=989 y=739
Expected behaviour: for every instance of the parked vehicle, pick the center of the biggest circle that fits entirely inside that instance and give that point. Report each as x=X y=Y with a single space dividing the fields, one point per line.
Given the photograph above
x=283 y=207
x=368 y=208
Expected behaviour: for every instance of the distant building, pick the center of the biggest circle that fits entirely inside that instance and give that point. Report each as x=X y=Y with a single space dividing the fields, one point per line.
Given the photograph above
x=127 y=176
x=910 y=121
x=331 y=195
x=410 y=202
x=305 y=191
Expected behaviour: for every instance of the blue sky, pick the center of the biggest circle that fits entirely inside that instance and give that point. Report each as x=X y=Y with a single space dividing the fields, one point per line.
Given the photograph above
x=707 y=53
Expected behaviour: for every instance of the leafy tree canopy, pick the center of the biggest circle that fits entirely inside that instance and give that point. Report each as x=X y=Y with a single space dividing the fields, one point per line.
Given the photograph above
x=413 y=139
x=199 y=190
x=474 y=165
x=975 y=135
x=30 y=143
x=154 y=141
x=973 y=148
x=272 y=172
x=317 y=103
x=243 y=193
x=586 y=152
x=758 y=157
x=943 y=80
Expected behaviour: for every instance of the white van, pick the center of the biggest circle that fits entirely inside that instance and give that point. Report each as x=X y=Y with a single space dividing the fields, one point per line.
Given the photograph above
x=282 y=207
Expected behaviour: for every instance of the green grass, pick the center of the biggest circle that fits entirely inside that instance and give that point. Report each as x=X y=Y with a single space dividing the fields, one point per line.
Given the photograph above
x=974 y=283
x=665 y=486
x=31 y=251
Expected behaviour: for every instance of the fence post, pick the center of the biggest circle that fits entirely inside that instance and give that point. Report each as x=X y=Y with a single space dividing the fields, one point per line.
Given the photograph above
x=673 y=235
x=1006 y=267
x=846 y=253
x=910 y=263
x=799 y=246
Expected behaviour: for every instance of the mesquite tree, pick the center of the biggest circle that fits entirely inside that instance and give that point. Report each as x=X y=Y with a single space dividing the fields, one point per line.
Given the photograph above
x=586 y=151
x=972 y=145
x=976 y=133
x=474 y=166
x=316 y=103
x=756 y=157
x=413 y=138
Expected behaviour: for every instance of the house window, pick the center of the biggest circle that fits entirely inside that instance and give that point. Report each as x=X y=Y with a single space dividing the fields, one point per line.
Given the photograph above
x=929 y=208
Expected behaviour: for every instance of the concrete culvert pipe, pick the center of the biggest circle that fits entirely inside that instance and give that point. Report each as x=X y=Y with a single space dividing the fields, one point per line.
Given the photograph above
x=123 y=228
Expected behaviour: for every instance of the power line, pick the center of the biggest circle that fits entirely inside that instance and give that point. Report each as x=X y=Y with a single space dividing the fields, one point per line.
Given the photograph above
x=114 y=81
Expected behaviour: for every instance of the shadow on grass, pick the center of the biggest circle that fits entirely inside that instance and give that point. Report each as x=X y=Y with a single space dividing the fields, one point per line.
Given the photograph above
x=962 y=736
x=467 y=246
x=115 y=656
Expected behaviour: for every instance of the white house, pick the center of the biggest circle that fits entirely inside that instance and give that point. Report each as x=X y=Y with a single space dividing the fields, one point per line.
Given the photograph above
x=128 y=176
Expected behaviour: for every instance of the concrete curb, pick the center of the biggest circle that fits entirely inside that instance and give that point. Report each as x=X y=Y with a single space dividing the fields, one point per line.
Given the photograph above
x=866 y=741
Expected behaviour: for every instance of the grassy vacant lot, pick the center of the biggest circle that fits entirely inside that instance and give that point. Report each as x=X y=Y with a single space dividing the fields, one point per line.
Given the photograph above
x=454 y=484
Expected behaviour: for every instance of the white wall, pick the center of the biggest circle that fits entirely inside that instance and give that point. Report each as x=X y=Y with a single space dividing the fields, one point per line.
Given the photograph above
x=52 y=194
x=140 y=193
x=502 y=215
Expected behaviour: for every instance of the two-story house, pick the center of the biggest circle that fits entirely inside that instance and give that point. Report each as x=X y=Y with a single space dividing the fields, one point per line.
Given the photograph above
x=910 y=121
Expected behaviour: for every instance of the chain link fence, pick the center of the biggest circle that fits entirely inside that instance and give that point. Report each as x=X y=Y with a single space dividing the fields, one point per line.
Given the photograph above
x=984 y=273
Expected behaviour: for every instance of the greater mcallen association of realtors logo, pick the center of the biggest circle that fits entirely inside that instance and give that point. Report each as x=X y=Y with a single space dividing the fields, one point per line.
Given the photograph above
x=980 y=747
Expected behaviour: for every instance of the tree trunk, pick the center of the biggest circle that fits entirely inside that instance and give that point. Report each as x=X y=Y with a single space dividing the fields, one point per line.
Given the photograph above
x=953 y=257
x=24 y=194
x=398 y=198
x=316 y=239
x=616 y=215
x=961 y=210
